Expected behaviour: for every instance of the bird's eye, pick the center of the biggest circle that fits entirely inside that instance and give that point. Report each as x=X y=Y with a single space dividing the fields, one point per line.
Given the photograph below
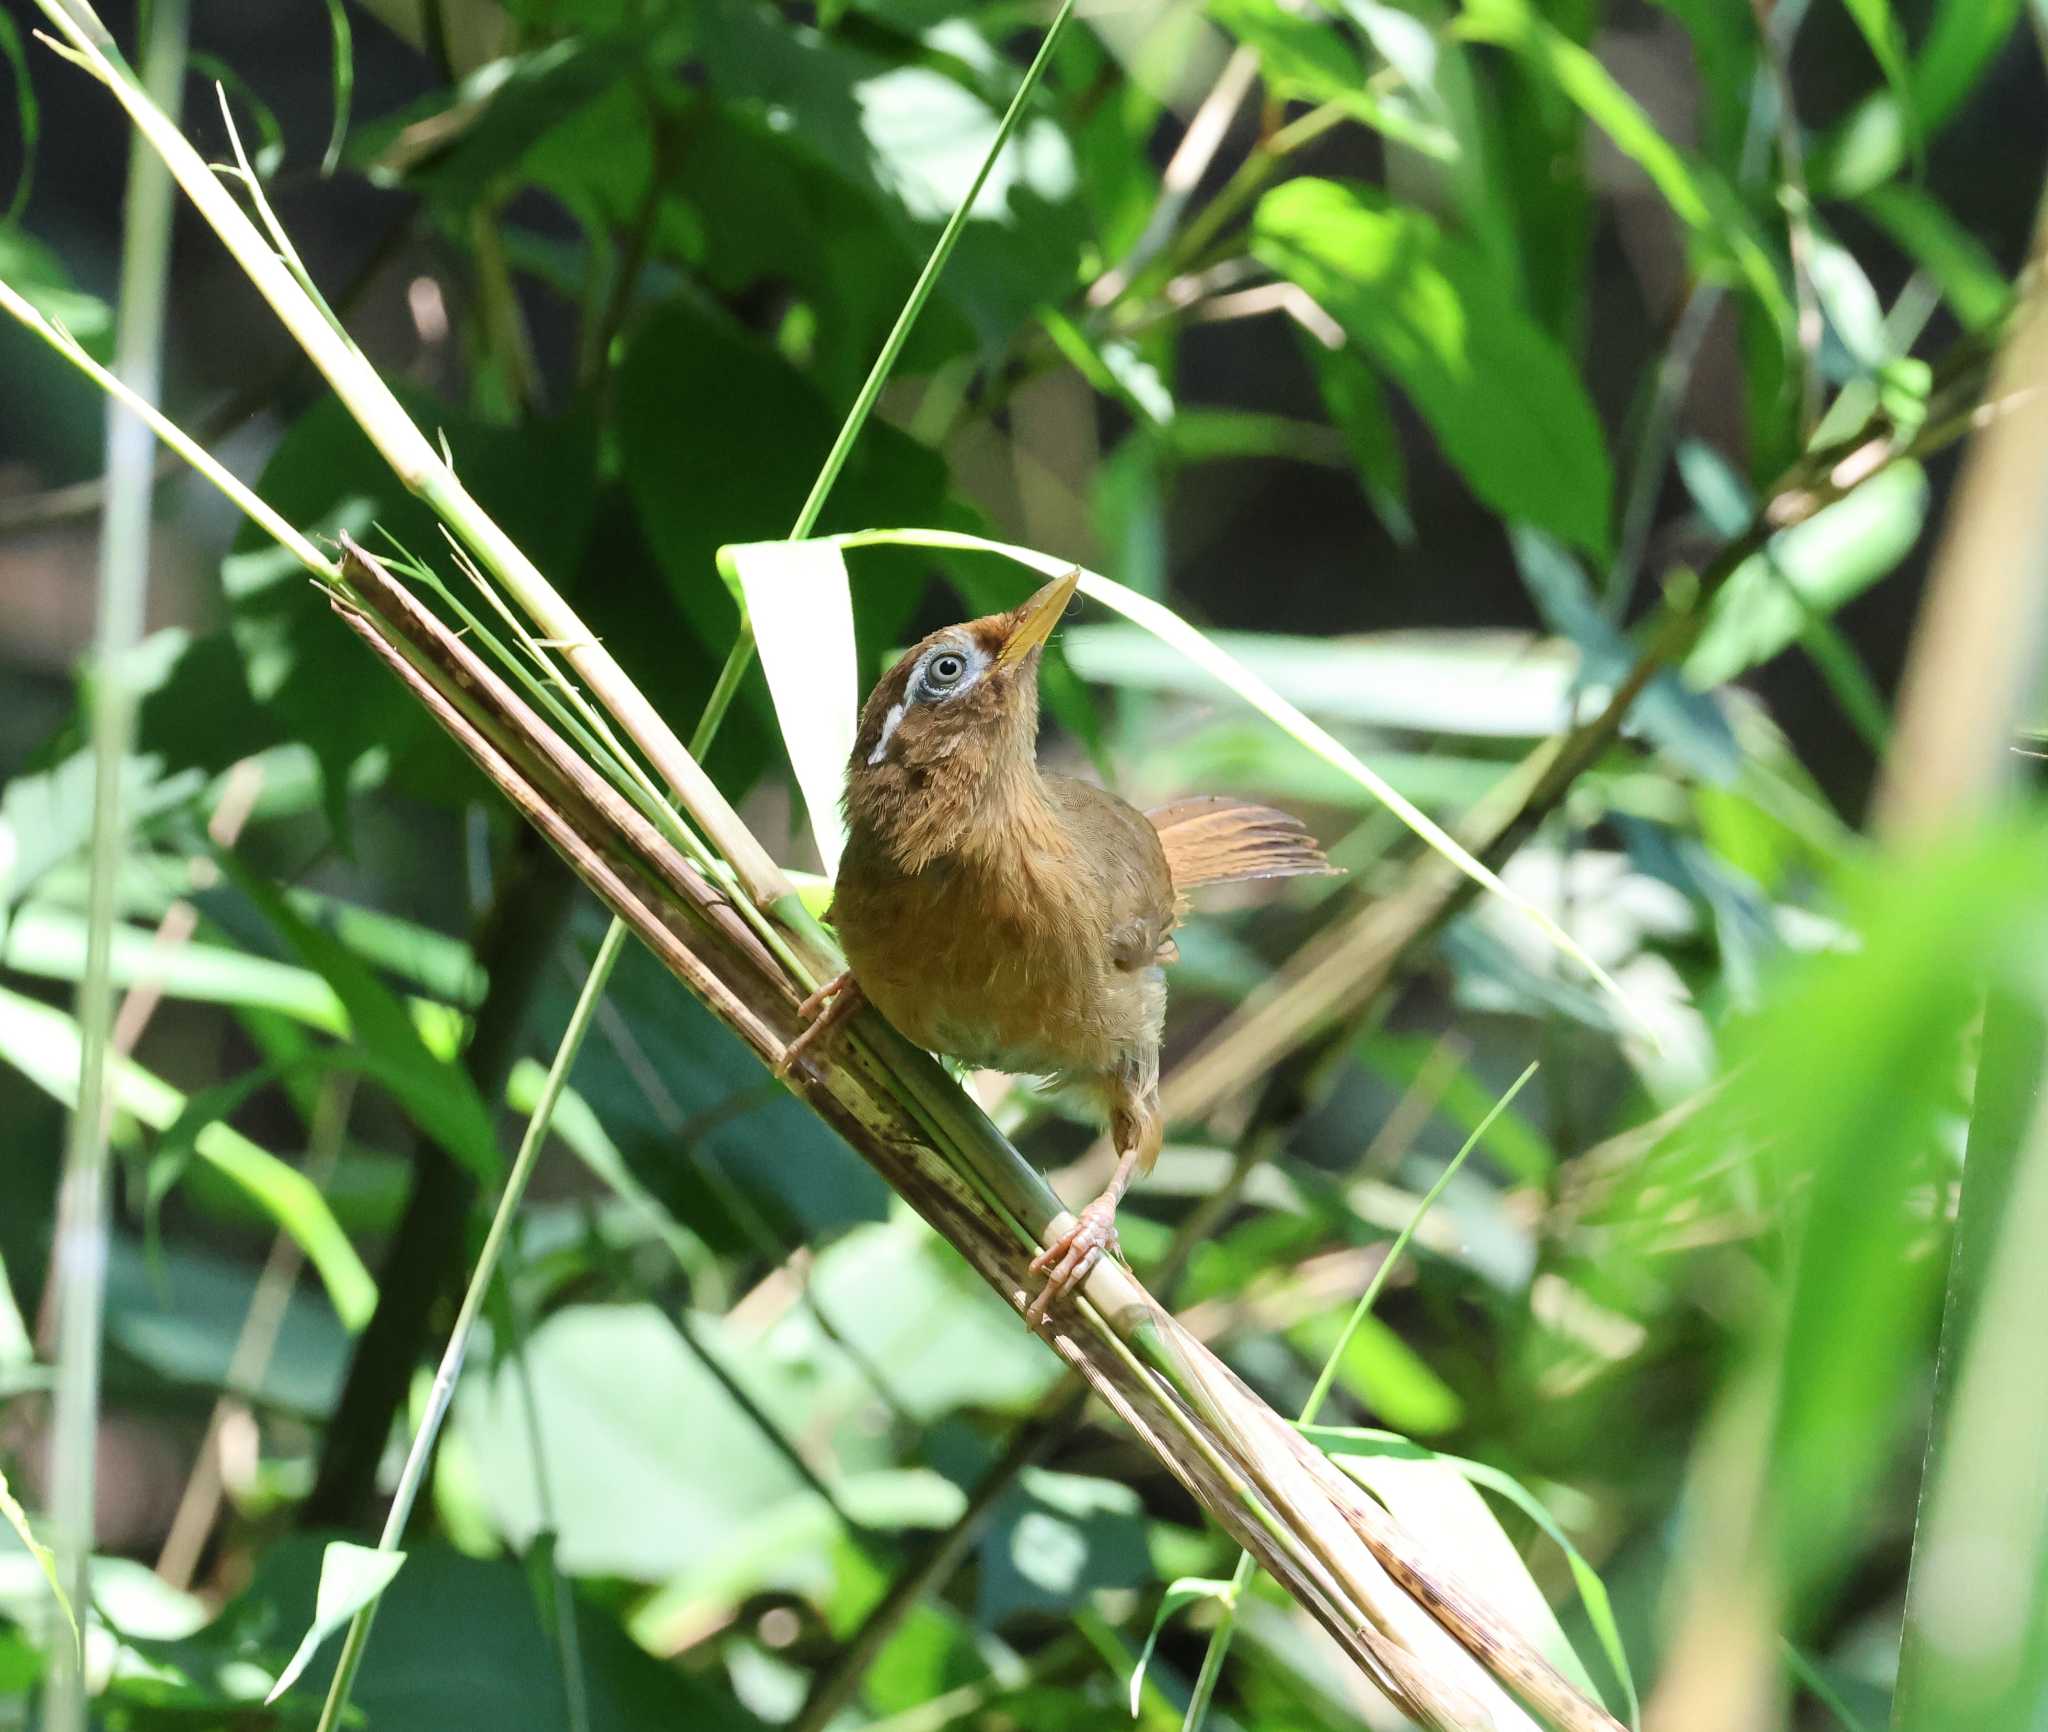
x=946 y=669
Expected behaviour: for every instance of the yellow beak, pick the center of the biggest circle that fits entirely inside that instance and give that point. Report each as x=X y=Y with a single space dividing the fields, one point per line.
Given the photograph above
x=1036 y=618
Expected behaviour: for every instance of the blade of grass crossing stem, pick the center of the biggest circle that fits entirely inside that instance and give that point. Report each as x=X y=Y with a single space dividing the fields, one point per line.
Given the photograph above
x=123 y=587
x=1170 y=628
x=1341 y=1442
x=450 y=1367
x=1219 y=1639
x=742 y=654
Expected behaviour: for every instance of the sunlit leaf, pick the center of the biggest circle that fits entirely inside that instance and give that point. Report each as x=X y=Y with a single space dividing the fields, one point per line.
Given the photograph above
x=797 y=596
x=351 y=1577
x=439 y=1095
x=1499 y=394
x=46 y=1560
x=45 y=1046
x=1821 y=565
x=1887 y=47
x=1183 y=1591
x=1975 y=288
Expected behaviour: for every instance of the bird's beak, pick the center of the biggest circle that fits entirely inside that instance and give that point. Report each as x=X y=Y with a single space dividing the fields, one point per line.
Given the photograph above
x=1036 y=618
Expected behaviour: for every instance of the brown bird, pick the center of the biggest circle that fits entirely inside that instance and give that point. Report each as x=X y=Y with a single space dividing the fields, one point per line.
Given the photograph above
x=1016 y=920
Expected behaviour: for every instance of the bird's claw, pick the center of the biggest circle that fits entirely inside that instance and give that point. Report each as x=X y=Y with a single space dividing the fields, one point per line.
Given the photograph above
x=1071 y=1258
x=820 y=1014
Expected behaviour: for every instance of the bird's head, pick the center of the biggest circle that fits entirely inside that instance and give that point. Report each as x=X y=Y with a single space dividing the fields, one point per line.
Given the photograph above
x=952 y=723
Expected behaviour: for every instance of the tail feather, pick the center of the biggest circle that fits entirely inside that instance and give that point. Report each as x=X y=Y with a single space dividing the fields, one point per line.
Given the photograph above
x=1214 y=840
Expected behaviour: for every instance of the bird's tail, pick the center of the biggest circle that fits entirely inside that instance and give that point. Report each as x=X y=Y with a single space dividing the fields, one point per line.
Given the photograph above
x=1214 y=840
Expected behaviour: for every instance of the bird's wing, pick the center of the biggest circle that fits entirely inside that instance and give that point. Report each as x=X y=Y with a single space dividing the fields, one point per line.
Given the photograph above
x=1214 y=840
x=1135 y=887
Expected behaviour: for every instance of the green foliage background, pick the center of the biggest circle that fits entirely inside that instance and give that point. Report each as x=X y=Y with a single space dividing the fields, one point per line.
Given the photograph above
x=1490 y=320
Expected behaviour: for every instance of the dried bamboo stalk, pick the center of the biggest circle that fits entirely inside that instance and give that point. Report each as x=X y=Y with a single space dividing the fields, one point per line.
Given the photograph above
x=1425 y=1639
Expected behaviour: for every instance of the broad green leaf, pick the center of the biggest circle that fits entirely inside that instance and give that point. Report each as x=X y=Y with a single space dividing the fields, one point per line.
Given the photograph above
x=797 y=596
x=1172 y=630
x=1821 y=566
x=46 y=1047
x=1497 y=391
x=1354 y=1446
x=435 y=1091
x=1694 y=191
x=46 y=1560
x=351 y=1577
x=1183 y=1591
x=50 y=942
x=1969 y=278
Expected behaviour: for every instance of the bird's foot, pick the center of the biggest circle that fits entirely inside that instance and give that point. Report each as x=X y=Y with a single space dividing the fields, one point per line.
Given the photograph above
x=821 y=1014
x=1069 y=1259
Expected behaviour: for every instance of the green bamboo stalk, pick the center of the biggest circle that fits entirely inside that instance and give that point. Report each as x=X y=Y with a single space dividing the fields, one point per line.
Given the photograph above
x=81 y=1248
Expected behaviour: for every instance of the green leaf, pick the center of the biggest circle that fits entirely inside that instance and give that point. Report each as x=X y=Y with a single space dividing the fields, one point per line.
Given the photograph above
x=35 y=273
x=1355 y=1444
x=45 y=1046
x=1962 y=40
x=1498 y=392
x=1381 y=1371
x=797 y=596
x=1352 y=394
x=344 y=83
x=437 y=1093
x=721 y=439
x=1820 y=566
x=579 y=1127
x=1694 y=191
x=1183 y=1591
x=46 y=1560
x=51 y=942
x=1874 y=141
x=351 y=1577
x=1888 y=48
x=1969 y=278
x=25 y=107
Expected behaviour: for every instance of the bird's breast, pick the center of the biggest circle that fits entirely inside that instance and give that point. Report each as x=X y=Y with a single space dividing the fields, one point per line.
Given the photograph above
x=999 y=963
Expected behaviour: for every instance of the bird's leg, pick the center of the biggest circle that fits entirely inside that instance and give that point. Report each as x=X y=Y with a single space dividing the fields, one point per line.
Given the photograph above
x=821 y=1014
x=1069 y=1260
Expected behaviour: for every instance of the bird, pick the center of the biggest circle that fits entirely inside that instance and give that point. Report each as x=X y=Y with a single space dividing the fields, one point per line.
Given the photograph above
x=1016 y=920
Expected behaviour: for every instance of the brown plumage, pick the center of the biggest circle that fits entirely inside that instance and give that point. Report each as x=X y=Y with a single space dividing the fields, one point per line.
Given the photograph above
x=1017 y=920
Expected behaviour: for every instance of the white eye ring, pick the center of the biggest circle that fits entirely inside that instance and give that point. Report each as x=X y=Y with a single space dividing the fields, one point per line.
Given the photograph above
x=946 y=669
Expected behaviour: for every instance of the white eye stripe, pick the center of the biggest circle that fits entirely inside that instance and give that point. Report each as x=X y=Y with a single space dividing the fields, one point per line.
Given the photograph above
x=889 y=722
